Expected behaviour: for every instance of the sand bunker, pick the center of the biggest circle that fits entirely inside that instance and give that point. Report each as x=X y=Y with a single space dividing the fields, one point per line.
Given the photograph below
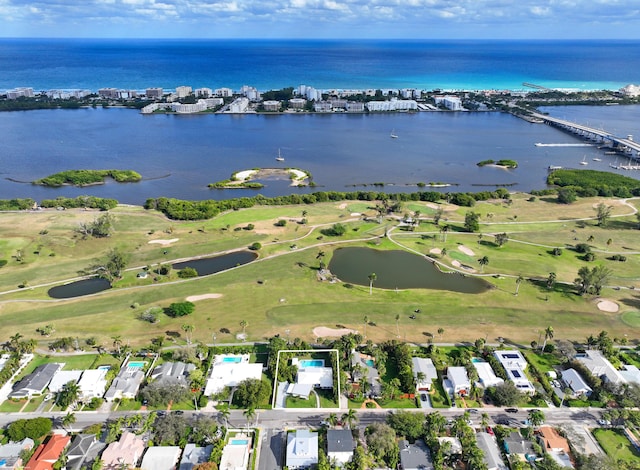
x=342 y=206
x=324 y=332
x=607 y=306
x=458 y=264
x=436 y=251
x=466 y=250
x=164 y=242
x=195 y=298
x=356 y=214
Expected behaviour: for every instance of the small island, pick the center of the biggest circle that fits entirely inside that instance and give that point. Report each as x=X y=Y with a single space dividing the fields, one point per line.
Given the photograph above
x=244 y=179
x=500 y=163
x=88 y=177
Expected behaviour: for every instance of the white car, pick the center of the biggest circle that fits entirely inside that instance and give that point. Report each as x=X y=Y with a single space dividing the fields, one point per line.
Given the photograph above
x=604 y=422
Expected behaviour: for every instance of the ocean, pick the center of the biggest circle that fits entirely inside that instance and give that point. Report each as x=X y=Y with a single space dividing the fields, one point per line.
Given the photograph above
x=178 y=156
x=324 y=64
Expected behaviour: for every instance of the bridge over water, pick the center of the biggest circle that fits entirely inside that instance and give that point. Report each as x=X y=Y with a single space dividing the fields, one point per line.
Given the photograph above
x=624 y=145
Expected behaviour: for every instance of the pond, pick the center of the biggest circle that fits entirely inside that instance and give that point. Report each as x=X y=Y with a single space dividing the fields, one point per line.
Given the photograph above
x=399 y=269
x=206 y=266
x=79 y=288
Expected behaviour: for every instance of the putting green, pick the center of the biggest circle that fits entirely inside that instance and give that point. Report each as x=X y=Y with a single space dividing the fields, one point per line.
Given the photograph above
x=631 y=318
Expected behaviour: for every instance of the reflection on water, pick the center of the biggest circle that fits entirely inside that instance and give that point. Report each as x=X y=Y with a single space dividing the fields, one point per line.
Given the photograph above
x=399 y=269
x=206 y=266
x=79 y=288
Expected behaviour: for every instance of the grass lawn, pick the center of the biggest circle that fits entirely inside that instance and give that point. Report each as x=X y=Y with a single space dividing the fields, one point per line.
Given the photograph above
x=128 y=405
x=290 y=296
x=11 y=406
x=296 y=402
x=399 y=403
x=616 y=444
x=439 y=397
x=544 y=362
x=34 y=403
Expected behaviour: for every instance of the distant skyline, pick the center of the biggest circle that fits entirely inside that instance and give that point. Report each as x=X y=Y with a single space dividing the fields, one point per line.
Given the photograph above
x=322 y=19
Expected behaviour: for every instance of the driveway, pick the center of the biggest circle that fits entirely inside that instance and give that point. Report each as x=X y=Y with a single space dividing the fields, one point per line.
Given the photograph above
x=272 y=449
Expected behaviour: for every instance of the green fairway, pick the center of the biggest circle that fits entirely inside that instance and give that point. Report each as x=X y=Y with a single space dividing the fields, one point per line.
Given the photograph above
x=281 y=291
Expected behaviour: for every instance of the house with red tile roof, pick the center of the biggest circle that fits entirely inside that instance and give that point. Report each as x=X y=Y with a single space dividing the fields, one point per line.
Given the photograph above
x=48 y=453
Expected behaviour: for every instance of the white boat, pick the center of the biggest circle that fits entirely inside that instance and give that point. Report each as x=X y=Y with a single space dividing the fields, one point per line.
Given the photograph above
x=597 y=159
x=584 y=161
x=279 y=158
x=393 y=134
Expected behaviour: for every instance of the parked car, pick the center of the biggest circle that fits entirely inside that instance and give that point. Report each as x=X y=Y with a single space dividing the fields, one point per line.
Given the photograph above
x=473 y=410
x=511 y=410
x=423 y=397
x=604 y=422
x=489 y=430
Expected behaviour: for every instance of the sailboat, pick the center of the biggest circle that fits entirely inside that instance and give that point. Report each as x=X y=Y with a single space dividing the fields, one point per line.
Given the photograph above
x=584 y=161
x=279 y=158
x=393 y=134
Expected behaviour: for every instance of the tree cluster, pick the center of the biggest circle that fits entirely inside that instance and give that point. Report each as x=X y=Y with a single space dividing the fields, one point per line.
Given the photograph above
x=162 y=394
x=32 y=428
x=180 y=309
x=251 y=393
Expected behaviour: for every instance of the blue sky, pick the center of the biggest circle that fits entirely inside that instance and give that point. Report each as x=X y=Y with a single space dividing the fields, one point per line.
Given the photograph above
x=428 y=19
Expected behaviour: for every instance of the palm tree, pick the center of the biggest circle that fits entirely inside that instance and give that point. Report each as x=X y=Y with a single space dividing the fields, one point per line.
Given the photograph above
x=117 y=342
x=518 y=282
x=372 y=277
x=366 y=320
x=332 y=419
x=224 y=414
x=483 y=262
x=187 y=328
x=249 y=415
x=244 y=324
x=440 y=332
x=484 y=421
x=548 y=334
x=551 y=280
x=350 y=418
x=443 y=230
x=14 y=340
x=68 y=420
x=397 y=325
x=536 y=418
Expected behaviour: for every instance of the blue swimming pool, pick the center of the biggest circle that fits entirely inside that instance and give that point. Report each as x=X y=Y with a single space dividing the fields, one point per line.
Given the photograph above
x=370 y=362
x=231 y=359
x=136 y=365
x=239 y=442
x=311 y=363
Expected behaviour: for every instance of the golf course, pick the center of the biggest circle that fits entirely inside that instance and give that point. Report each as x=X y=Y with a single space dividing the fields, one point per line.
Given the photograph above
x=288 y=289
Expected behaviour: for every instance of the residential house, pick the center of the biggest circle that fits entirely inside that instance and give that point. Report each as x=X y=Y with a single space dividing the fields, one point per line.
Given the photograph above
x=302 y=449
x=194 y=455
x=161 y=458
x=630 y=373
x=486 y=376
x=235 y=455
x=92 y=384
x=415 y=456
x=576 y=383
x=83 y=450
x=515 y=365
x=62 y=378
x=489 y=447
x=600 y=366
x=429 y=373
x=340 y=445
x=521 y=448
x=451 y=443
x=10 y=453
x=555 y=445
x=459 y=380
x=170 y=373
x=228 y=370
x=318 y=377
x=126 y=451
x=36 y=382
x=48 y=452
x=126 y=384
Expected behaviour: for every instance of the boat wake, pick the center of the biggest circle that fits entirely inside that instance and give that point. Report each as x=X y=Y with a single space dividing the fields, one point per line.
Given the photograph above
x=538 y=144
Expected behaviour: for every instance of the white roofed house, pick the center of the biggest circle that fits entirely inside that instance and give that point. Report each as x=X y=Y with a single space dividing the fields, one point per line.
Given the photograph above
x=161 y=458
x=486 y=376
x=427 y=371
x=302 y=449
x=515 y=364
x=600 y=366
x=459 y=380
x=62 y=378
x=126 y=384
x=228 y=370
x=93 y=383
x=575 y=381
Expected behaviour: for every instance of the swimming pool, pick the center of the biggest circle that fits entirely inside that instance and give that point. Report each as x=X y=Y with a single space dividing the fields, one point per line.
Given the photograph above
x=104 y=367
x=312 y=363
x=239 y=442
x=232 y=359
x=370 y=362
x=136 y=365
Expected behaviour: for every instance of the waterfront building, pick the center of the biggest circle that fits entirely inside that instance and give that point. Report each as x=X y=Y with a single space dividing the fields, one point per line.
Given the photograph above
x=631 y=90
x=240 y=105
x=297 y=103
x=224 y=92
x=20 y=93
x=310 y=93
x=393 y=104
x=250 y=92
x=183 y=91
x=271 y=105
x=355 y=107
x=203 y=92
x=108 y=93
x=189 y=108
x=338 y=103
x=322 y=107
x=452 y=103
x=154 y=93
x=150 y=108
x=213 y=102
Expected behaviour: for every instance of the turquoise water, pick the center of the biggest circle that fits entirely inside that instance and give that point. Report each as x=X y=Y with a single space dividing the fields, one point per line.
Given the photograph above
x=312 y=363
x=136 y=365
x=370 y=362
x=231 y=359
x=475 y=359
x=104 y=367
x=239 y=442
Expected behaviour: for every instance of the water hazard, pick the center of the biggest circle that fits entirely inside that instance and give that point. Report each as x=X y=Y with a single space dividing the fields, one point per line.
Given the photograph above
x=79 y=288
x=399 y=269
x=206 y=266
